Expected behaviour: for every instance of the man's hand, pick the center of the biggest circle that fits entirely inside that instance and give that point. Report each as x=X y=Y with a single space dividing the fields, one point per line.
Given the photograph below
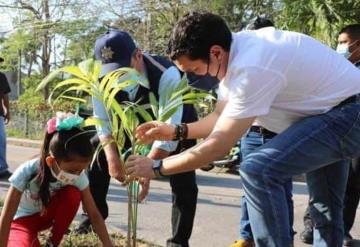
x=7 y=117
x=139 y=166
x=116 y=171
x=145 y=185
x=155 y=130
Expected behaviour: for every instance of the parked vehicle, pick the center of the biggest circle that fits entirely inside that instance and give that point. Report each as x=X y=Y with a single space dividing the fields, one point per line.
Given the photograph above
x=229 y=164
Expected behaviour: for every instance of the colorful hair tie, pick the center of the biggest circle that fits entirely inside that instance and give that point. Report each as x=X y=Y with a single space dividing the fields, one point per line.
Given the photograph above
x=64 y=121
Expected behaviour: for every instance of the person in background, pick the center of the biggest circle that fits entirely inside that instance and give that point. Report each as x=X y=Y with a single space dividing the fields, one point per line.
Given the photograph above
x=254 y=138
x=117 y=49
x=4 y=119
x=349 y=47
x=45 y=193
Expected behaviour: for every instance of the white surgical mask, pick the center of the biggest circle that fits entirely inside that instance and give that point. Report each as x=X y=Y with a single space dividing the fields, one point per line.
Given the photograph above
x=343 y=49
x=64 y=177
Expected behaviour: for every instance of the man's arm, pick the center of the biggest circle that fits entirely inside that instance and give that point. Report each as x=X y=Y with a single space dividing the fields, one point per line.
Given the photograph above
x=169 y=82
x=112 y=156
x=4 y=90
x=226 y=133
x=162 y=149
x=6 y=107
x=115 y=164
x=203 y=127
x=148 y=132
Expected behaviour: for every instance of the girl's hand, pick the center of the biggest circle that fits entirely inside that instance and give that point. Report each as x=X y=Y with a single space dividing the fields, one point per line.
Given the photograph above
x=7 y=214
x=97 y=221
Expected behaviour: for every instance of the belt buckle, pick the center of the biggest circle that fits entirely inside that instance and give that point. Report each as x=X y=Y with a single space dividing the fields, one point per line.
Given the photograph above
x=262 y=130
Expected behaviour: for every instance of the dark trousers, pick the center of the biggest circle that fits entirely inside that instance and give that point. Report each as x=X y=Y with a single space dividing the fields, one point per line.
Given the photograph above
x=351 y=200
x=99 y=181
x=352 y=196
x=184 y=198
x=308 y=223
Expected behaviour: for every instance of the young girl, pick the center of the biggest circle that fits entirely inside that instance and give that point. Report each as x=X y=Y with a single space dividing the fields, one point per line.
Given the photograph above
x=45 y=193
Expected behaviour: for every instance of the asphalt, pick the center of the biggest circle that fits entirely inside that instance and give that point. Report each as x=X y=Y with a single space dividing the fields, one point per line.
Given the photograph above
x=218 y=210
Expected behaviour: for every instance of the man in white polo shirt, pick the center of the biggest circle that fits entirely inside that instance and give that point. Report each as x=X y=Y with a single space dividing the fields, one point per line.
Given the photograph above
x=292 y=85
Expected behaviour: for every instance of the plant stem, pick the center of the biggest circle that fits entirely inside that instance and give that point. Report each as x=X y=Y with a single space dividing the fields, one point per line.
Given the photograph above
x=129 y=216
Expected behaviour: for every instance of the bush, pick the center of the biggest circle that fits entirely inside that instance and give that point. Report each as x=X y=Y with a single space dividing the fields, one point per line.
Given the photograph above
x=30 y=113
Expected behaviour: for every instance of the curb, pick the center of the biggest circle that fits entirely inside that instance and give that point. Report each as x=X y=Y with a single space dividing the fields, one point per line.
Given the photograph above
x=23 y=142
x=37 y=144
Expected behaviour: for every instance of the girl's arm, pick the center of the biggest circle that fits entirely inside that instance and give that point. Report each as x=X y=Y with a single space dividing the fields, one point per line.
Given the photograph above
x=95 y=217
x=7 y=214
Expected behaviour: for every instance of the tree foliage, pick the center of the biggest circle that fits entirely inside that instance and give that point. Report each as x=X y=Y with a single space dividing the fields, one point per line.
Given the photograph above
x=53 y=33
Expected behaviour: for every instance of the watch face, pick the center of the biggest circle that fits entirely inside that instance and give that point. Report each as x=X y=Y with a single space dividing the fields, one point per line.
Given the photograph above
x=156 y=168
x=156 y=164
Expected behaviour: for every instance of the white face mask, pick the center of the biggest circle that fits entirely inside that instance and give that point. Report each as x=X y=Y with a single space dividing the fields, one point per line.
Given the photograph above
x=344 y=49
x=64 y=177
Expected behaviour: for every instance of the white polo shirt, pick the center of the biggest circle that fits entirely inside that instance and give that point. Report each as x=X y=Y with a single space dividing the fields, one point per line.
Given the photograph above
x=281 y=77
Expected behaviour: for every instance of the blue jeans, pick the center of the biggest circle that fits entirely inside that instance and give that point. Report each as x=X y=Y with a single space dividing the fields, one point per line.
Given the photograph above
x=313 y=145
x=326 y=202
x=3 y=164
x=249 y=143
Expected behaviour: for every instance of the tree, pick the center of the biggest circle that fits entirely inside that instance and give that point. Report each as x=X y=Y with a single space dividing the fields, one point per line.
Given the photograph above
x=321 y=19
x=41 y=21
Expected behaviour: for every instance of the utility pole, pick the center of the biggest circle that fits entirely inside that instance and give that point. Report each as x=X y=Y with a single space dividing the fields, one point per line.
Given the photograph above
x=19 y=73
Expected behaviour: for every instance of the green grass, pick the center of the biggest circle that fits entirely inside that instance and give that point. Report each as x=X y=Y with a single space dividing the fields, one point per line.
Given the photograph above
x=33 y=135
x=15 y=133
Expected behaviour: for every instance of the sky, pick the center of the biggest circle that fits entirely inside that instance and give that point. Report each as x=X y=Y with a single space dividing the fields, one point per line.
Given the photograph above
x=5 y=23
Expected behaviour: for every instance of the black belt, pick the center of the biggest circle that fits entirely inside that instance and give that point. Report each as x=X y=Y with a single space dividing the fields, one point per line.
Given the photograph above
x=262 y=130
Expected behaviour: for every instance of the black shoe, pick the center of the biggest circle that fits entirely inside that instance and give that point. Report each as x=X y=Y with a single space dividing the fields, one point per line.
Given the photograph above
x=307 y=236
x=347 y=239
x=5 y=175
x=83 y=228
x=350 y=242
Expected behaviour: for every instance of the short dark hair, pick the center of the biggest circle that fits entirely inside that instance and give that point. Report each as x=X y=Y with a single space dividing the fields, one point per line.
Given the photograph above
x=260 y=22
x=195 y=33
x=352 y=30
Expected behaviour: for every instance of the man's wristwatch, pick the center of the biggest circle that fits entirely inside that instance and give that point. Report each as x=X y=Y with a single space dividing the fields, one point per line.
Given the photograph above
x=157 y=164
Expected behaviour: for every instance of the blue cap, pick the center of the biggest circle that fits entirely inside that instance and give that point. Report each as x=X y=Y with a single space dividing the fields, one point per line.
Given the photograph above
x=114 y=49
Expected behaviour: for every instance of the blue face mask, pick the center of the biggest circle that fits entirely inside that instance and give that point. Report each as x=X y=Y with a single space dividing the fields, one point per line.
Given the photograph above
x=205 y=82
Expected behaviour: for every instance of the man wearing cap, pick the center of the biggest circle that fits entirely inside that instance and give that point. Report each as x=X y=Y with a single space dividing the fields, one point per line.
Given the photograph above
x=292 y=85
x=117 y=49
x=4 y=119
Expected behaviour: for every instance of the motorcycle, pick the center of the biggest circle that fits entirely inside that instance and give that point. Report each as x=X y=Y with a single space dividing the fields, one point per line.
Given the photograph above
x=229 y=164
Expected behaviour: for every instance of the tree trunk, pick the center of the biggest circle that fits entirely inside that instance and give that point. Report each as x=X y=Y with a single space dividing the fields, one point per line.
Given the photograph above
x=46 y=47
x=19 y=74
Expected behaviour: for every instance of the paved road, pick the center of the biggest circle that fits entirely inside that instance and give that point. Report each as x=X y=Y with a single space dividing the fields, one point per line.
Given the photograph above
x=217 y=213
